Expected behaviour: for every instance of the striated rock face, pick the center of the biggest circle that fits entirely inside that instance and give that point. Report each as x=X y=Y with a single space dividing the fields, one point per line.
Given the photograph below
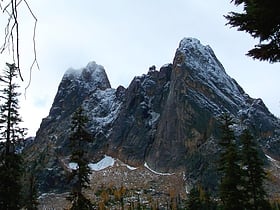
x=135 y=128
x=200 y=91
x=167 y=118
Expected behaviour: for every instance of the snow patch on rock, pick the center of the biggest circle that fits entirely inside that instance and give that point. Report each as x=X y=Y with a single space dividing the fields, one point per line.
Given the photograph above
x=131 y=168
x=273 y=161
x=155 y=172
x=106 y=162
x=73 y=166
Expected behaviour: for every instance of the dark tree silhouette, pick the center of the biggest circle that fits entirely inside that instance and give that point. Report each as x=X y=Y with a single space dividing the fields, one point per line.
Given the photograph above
x=31 y=197
x=11 y=134
x=199 y=198
x=254 y=174
x=230 y=189
x=80 y=175
x=261 y=19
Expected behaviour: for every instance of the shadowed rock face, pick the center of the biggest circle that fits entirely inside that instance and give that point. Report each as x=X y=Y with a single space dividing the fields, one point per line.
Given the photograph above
x=167 y=118
x=134 y=130
x=49 y=150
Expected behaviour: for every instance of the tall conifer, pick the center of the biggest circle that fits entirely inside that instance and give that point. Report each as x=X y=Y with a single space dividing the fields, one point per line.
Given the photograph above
x=11 y=134
x=253 y=175
x=80 y=175
x=230 y=170
x=31 y=197
x=198 y=198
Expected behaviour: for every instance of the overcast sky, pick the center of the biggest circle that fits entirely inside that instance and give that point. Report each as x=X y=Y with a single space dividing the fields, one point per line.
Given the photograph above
x=127 y=37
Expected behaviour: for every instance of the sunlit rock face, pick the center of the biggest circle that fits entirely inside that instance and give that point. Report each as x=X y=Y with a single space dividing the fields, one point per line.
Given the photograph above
x=167 y=118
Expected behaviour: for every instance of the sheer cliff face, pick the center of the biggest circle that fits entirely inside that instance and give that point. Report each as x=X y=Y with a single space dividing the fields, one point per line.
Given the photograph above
x=171 y=115
x=167 y=118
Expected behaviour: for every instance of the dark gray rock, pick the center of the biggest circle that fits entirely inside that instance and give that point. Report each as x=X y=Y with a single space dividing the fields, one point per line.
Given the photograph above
x=167 y=118
x=134 y=130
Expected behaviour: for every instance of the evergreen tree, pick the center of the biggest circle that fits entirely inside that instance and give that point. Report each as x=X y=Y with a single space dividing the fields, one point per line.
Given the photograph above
x=254 y=174
x=11 y=134
x=80 y=175
x=194 y=202
x=230 y=185
x=10 y=131
x=198 y=198
x=10 y=181
x=261 y=19
x=31 y=199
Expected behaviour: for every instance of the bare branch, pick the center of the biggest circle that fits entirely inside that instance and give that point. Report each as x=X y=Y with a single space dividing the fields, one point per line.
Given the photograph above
x=15 y=17
x=7 y=33
x=35 y=61
x=7 y=6
x=11 y=38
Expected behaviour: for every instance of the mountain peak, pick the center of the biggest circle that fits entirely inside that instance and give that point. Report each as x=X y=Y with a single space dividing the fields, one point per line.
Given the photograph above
x=199 y=56
x=200 y=65
x=187 y=41
x=93 y=74
x=193 y=43
x=167 y=119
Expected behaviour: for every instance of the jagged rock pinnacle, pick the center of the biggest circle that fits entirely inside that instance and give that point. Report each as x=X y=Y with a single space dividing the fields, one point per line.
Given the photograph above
x=93 y=74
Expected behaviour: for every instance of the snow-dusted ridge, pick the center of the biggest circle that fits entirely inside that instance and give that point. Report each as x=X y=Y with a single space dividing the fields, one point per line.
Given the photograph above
x=91 y=66
x=210 y=72
x=105 y=111
x=93 y=75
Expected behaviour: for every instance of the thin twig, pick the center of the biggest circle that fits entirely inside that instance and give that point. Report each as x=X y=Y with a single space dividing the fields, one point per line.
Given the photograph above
x=11 y=38
x=35 y=61
x=7 y=6
x=7 y=34
x=15 y=17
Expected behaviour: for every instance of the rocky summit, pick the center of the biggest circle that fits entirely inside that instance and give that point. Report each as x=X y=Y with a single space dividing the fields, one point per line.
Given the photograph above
x=166 y=120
